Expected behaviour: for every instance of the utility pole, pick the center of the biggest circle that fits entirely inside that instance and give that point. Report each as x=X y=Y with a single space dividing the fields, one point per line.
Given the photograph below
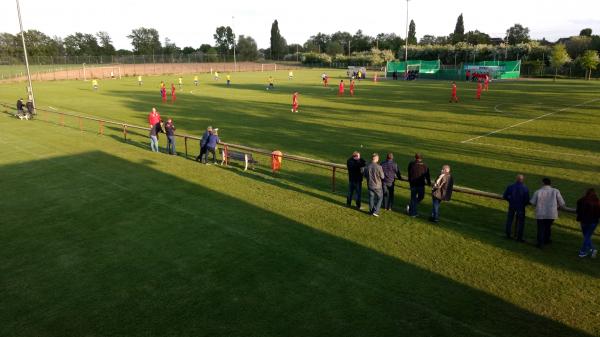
x=30 y=88
x=234 y=57
x=406 y=47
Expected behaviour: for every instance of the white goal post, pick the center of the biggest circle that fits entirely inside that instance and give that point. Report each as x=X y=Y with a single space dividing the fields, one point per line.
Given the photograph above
x=101 y=72
x=268 y=67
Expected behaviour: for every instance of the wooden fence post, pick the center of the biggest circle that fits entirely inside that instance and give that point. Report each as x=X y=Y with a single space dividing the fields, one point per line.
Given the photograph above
x=101 y=128
x=125 y=132
x=80 y=125
x=186 y=150
x=333 y=178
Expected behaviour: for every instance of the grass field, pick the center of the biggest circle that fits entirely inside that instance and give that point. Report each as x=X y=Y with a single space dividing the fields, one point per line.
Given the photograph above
x=103 y=238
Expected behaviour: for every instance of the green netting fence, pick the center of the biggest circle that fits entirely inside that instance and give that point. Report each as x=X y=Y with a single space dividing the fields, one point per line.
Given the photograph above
x=499 y=70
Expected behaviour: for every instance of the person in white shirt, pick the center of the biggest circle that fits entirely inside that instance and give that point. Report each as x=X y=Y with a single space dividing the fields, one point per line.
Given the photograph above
x=547 y=200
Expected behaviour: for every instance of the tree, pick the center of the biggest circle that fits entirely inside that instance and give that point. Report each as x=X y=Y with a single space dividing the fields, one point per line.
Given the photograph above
x=38 y=44
x=361 y=42
x=204 y=48
x=81 y=44
x=334 y=48
x=317 y=43
x=278 y=43
x=295 y=47
x=459 y=30
x=517 y=34
x=9 y=45
x=427 y=40
x=106 y=46
x=412 y=32
x=247 y=48
x=224 y=39
x=576 y=45
x=559 y=57
x=586 y=32
x=589 y=60
x=476 y=37
x=145 y=41
x=170 y=48
x=188 y=50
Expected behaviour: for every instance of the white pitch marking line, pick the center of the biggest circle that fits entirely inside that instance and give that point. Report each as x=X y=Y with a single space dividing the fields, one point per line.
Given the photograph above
x=529 y=120
x=498 y=110
x=53 y=108
x=534 y=150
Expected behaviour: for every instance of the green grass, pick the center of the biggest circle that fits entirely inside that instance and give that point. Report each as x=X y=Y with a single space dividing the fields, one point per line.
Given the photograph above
x=103 y=238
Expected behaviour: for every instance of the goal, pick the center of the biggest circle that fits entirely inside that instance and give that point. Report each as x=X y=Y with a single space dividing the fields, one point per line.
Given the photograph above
x=101 y=72
x=268 y=67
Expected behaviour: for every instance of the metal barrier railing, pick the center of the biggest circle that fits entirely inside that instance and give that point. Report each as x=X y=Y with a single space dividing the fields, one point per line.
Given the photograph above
x=334 y=167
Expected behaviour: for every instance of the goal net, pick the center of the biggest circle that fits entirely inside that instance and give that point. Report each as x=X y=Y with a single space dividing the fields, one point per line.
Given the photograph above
x=268 y=67
x=101 y=72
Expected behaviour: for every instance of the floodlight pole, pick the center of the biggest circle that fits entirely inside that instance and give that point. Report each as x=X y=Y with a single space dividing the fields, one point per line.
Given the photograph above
x=406 y=47
x=234 y=57
x=30 y=88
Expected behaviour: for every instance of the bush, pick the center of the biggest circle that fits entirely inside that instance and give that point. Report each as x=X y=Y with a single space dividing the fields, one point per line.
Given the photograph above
x=316 y=58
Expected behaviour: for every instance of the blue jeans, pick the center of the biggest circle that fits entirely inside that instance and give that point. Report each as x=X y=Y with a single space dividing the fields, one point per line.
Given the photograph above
x=417 y=194
x=375 y=199
x=435 y=211
x=154 y=143
x=588 y=231
x=388 y=196
x=520 y=219
x=354 y=186
x=171 y=145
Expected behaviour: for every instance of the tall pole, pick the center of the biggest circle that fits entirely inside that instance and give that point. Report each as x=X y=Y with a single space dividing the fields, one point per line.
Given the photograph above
x=234 y=57
x=30 y=88
x=406 y=47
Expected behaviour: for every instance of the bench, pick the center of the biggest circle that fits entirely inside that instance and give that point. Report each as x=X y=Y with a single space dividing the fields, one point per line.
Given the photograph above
x=246 y=158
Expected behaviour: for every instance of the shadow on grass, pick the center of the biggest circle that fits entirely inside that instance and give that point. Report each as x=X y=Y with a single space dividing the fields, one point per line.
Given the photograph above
x=114 y=242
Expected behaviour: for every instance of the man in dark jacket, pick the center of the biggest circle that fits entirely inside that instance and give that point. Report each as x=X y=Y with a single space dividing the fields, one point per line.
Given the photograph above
x=418 y=176
x=203 y=141
x=20 y=105
x=374 y=175
x=517 y=196
x=441 y=191
x=170 y=131
x=211 y=146
x=355 y=165
x=391 y=172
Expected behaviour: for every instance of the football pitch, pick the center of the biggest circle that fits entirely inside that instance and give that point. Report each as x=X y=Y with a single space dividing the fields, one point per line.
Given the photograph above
x=101 y=237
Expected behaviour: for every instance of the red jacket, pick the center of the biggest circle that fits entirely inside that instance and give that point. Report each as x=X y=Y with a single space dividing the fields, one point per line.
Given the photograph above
x=153 y=118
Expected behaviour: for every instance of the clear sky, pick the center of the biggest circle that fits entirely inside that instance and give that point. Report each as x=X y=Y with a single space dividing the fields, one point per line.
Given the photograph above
x=188 y=22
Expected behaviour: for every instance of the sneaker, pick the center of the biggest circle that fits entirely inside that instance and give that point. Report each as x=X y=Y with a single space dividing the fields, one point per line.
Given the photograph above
x=375 y=214
x=593 y=253
x=582 y=255
x=408 y=209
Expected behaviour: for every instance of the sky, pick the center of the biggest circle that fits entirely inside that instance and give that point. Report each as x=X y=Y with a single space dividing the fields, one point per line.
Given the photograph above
x=192 y=23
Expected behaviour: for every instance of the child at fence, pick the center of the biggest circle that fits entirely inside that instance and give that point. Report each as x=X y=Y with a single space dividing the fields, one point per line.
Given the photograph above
x=454 y=97
x=295 y=102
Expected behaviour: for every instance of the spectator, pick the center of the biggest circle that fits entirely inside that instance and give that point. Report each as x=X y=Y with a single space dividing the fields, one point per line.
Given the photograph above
x=154 y=131
x=203 y=141
x=546 y=200
x=441 y=191
x=517 y=196
x=588 y=213
x=153 y=117
x=355 y=165
x=418 y=176
x=29 y=106
x=211 y=145
x=391 y=172
x=20 y=105
x=374 y=175
x=170 y=131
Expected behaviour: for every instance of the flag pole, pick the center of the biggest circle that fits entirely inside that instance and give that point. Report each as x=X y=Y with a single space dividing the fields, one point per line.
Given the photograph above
x=30 y=87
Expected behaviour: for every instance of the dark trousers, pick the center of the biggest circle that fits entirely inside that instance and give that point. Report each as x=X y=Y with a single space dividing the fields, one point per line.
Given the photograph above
x=202 y=152
x=354 y=186
x=544 y=231
x=388 y=196
x=519 y=214
x=171 y=144
x=417 y=193
x=208 y=150
x=375 y=199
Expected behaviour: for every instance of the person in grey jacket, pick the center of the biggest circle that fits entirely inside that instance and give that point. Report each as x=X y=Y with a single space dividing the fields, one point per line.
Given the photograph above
x=441 y=191
x=374 y=174
x=547 y=200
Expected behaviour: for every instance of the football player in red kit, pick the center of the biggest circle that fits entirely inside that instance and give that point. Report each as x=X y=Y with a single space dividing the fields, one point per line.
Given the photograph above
x=163 y=94
x=352 y=88
x=454 y=97
x=173 y=96
x=295 y=102
x=486 y=83
x=479 y=89
x=341 y=88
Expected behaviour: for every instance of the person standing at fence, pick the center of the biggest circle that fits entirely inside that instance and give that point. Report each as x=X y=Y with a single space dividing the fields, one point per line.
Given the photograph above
x=154 y=131
x=355 y=166
x=30 y=107
x=140 y=80
x=196 y=80
x=588 y=214
x=453 y=97
x=547 y=200
x=391 y=173
x=170 y=131
x=20 y=106
x=153 y=117
x=211 y=146
x=295 y=102
x=203 y=141
x=341 y=88
x=173 y=96
x=441 y=191
x=374 y=175
x=517 y=196
x=418 y=176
